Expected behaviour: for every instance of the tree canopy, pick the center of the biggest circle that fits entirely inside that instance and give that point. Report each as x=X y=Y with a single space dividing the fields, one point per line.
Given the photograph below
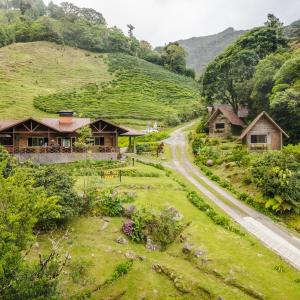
x=228 y=78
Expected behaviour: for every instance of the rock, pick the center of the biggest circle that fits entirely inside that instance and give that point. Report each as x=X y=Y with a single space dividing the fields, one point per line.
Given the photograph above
x=130 y=255
x=121 y=240
x=198 y=253
x=187 y=248
x=142 y=257
x=177 y=216
x=129 y=211
x=182 y=238
x=210 y=163
x=151 y=246
x=104 y=226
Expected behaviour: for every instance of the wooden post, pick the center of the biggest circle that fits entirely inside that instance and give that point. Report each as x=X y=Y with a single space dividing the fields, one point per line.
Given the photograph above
x=134 y=145
x=130 y=145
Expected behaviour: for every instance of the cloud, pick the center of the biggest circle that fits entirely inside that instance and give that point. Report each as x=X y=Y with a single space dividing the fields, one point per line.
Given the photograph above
x=161 y=21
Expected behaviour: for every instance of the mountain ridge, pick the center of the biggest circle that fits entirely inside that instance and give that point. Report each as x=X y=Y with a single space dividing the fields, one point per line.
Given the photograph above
x=202 y=50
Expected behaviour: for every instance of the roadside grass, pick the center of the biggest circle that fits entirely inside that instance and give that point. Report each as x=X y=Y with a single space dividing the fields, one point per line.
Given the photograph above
x=235 y=257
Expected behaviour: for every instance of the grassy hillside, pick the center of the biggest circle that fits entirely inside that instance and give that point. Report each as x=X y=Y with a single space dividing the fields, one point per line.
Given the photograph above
x=32 y=69
x=115 y=86
x=202 y=50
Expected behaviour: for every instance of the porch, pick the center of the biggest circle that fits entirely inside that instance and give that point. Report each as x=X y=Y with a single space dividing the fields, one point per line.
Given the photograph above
x=60 y=149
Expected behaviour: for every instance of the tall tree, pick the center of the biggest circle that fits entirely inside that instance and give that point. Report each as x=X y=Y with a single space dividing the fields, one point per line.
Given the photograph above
x=130 y=30
x=174 y=58
x=228 y=78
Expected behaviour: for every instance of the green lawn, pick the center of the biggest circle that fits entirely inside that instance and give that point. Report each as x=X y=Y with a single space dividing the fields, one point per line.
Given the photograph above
x=243 y=259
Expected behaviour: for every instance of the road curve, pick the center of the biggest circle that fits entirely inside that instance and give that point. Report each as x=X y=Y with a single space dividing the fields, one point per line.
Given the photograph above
x=273 y=235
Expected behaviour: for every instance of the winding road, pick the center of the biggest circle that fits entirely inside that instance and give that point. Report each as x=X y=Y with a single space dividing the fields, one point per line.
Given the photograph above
x=273 y=235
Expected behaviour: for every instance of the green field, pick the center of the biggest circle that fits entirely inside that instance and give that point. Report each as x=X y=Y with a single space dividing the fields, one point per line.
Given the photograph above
x=231 y=266
x=41 y=78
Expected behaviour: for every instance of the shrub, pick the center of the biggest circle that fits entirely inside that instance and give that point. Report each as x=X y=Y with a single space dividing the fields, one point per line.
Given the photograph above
x=240 y=156
x=163 y=228
x=278 y=177
x=79 y=271
x=109 y=203
x=146 y=147
x=57 y=182
x=293 y=150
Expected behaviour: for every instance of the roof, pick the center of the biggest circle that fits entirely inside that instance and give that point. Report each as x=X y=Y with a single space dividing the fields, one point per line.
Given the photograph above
x=76 y=124
x=132 y=132
x=6 y=124
x=228 y=114
x=253 y=123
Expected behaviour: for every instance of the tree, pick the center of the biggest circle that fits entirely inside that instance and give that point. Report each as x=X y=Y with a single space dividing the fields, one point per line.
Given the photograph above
x=263 y=81
x=228 y=78
x=130 y=30
x=144 y=50
x=273 y=22
x=285 y=109
x=174 y=58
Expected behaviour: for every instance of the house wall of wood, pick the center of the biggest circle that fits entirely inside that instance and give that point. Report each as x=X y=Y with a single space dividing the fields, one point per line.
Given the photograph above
x=265 y=127
x=213 y=132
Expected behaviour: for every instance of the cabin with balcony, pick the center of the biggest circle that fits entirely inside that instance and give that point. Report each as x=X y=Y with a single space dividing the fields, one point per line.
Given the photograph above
x=53 y=140
x=224 y=122
x=263 y=133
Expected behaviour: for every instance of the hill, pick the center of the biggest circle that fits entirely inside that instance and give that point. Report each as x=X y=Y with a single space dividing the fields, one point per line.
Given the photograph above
x=41 y=78
x=202 y=50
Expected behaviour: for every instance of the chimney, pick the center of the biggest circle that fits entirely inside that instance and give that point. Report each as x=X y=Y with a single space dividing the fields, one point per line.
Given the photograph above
x=66 y=117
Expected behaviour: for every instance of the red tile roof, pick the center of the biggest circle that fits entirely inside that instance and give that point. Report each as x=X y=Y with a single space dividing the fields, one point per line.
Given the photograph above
x=228 y=114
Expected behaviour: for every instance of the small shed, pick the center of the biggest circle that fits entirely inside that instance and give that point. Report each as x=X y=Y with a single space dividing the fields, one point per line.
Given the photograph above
x=263 y=133
x=223 y=122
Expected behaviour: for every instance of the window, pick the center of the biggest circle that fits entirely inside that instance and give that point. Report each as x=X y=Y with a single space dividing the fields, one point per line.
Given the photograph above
x=64 y=142
x=258 y=139
x=99 y=141
x=220 y=125
x=37 y=141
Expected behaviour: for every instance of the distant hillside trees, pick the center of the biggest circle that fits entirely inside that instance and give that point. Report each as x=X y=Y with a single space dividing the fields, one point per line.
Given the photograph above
x=83 y=28
x=228 y=79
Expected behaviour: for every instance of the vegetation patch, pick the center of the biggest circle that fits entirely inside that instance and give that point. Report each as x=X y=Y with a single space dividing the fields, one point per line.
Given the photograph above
x=140 y=90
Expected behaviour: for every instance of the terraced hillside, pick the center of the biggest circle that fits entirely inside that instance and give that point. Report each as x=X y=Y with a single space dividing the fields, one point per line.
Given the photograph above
x=41 y=78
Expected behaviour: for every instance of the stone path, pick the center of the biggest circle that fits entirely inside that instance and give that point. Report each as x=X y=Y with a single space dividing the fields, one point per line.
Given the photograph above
x=273 y=235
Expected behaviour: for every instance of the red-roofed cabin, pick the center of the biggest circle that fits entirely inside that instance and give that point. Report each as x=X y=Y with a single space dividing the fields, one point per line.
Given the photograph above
x=59 y=135
x=223 y=122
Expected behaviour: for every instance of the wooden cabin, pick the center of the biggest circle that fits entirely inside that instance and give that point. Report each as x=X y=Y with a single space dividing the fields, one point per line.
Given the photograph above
x=223 y=122
x=263 y=133
x=59 y=135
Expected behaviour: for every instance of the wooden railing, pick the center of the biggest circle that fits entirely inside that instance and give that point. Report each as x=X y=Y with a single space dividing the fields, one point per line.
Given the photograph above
x=259 y=147
x=60 y=149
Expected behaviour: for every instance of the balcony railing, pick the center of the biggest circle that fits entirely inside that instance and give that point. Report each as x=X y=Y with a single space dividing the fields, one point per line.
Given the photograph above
x=259 y=146
x=60 y=149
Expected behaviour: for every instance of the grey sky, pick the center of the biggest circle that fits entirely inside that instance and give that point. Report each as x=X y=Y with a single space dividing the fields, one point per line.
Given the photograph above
x=161 y=21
